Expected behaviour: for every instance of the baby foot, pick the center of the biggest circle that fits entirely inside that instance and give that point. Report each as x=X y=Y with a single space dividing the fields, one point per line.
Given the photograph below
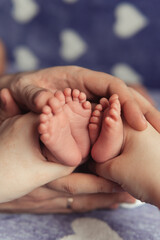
x=56 y=134
x=109 y=142
x=78 y=111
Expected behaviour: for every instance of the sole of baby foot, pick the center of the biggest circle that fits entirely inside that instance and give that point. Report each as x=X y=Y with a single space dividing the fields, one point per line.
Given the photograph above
x=78 y=111
x=110 y=140
x=55 y=132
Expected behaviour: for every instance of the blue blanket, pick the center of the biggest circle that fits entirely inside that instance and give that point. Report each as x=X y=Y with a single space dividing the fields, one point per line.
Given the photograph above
x=141 y=223
x=118 y=37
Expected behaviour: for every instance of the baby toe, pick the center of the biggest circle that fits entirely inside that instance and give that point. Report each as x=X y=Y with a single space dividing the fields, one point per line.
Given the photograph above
x=42 y=129
x=60 y=96
x=86 y=105
x=45 y=137
x=75 y=95
x=104 y=102
x=46 y=109
x=96 y=113
x=67 y=95
x=82 y=97
x=94 y=120
x=114 y=114
x=43 y=118
x=55 y=105
x=99 y=107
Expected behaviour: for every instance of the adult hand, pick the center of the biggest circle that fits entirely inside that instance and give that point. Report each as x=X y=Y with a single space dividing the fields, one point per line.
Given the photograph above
x=88 y=192
x=23 y=168
x=136 y=169
x=29 y=90
x=143 y=91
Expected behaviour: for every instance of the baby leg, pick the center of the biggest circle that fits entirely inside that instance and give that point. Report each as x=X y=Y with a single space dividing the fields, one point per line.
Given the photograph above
x=109 y=142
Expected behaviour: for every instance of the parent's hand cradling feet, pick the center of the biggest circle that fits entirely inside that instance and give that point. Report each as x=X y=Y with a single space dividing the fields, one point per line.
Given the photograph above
x=29 y=90
x=23 y=167
x=136 y=169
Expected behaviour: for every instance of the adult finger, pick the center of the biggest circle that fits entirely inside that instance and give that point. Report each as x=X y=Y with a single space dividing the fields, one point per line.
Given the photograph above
x=129 y=105
x=98 y=201
x=32 y=206
x=108 y=85
x=43 y=193
x=82 y=203
x=79 y=183
x=98 y=84
x=150 y=112
x=85 y=203
x=31 y=90
x=113 y=170
x=32 y=98
x=143 y=91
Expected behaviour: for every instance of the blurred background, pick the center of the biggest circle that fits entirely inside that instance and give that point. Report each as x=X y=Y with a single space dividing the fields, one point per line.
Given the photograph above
x=118 y=37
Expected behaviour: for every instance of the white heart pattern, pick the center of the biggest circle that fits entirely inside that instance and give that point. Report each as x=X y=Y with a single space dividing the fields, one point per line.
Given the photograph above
x=72 y=45
x=129 y=20
x=25 y=59
x=70 y=1
x=91 y=229
x=126 y=73
x=24 y=10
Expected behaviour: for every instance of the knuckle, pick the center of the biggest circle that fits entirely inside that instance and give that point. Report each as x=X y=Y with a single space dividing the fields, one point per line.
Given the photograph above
x=70 y=188
x=118 y=82
x=105 y=187
x=18 y=82
x=100 y=185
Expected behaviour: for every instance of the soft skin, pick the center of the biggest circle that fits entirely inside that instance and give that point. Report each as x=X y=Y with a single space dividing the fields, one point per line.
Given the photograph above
x=90 y=194
x=29 y=91
x=23 y=167
x=136 y=169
